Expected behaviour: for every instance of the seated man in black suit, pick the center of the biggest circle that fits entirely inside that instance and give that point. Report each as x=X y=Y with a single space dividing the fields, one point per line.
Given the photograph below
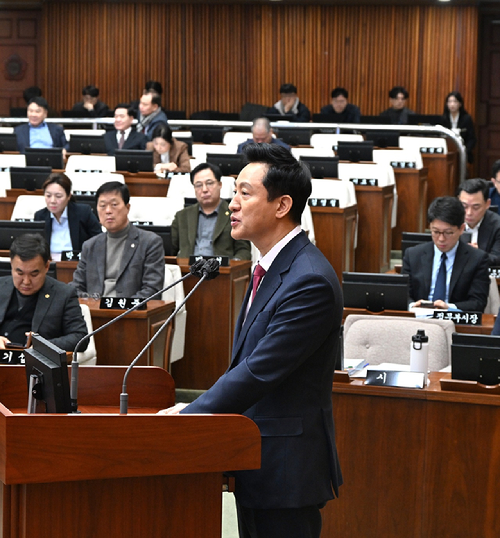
x=398 y=113
x=123 y=136
x=31 y=301
x=289 y=106
x=90 y=104
x=37 y=133
x=448 y=272
x=340 y=109
x=479 y=220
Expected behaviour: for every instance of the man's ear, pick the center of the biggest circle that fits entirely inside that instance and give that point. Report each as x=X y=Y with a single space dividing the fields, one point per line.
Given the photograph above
x=284 y=207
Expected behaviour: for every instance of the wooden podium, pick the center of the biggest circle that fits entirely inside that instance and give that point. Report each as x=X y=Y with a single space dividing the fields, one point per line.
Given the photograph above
x=107 y=475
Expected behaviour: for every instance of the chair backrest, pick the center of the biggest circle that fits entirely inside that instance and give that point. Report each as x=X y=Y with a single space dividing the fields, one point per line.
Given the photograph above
x=180 y=187
x=200 y=151
x=423 y=142
x=493 y=304
x=89 y=356
x=406 y=155
x=88 y=182
x=383 y=172
x=343 y=191
x=176 y=293
x=312 y=152
x=227 y=190
x=83 y=132
x=159 y=210
x=91 y=163
x=4 y=183
x=235 y=138
x=378 y=339
x=327 y=140
x=26 y=206
x=307 y=224
x=6 y=130
x=6 y=161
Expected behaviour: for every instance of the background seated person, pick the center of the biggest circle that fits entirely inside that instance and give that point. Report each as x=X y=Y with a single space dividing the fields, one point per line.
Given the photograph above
x=150 y=114
x=31 y=301
x=479 y=220
x=340 y=108
x=205 y=227
x=494 y=192
x=67 y=223
x=290 y=106
x=37 y=133
x=91 y=105
x=397 y=112
x=169 y=154
x=262 y=134
x=125 y=261
x=123 y=136
x=459 y=120
x=446 y=271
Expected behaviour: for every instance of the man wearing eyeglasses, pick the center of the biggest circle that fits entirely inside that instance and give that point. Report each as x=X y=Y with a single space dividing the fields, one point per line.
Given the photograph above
x=447 y=272
x=205 y=228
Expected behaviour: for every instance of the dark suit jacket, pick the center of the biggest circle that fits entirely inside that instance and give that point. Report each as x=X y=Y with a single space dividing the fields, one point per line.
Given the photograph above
x=303 y=113
x=351 y=114
x=281 y=377
x=135 y=140
x=185 y=227
x=467 y=132
x=58 y=316
x=488 y=237
x=100 y=109
x=397 y=117
x=142 y=268
x=469 y=284
x=56 y=132
x=83 y=224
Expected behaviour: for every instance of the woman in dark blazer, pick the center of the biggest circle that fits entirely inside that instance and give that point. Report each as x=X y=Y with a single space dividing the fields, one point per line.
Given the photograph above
x=67 y=223
x=456 y=117
x=163 y=144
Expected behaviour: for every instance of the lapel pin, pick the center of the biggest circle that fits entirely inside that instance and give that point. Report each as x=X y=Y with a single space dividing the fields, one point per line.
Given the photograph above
x=47 y=296
x=132 y=245
x=227 y=213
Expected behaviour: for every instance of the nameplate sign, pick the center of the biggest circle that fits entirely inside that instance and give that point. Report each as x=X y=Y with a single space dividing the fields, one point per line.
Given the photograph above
x=25 y=220
x=389 y=378
x=223 y=260
x=403 y=164
x=431 y=150
x=495 y=271
x=89 y=171
x=120 y=303
x=364 y=181
x=142 y=223
x=12 y=356
x=460 y=318
x=71 y=255
x=84 y=193
x=323 y=202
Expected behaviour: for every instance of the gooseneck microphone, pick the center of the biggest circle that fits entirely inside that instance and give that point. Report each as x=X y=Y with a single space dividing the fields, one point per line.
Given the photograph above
x=195 y=270
x=209 y=271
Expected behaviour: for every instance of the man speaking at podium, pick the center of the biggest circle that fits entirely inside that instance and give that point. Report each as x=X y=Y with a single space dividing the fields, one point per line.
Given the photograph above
x=283 y=358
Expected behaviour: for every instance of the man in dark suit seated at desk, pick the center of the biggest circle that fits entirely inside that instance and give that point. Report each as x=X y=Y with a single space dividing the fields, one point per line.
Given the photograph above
x=340 y=109
x=285 y=343
x=262 y=134
x=205 y=227
x=125 y=261
x=31 y=301
x=479 y=220
x=37 y=133
x=448 y=272
x=123 y=136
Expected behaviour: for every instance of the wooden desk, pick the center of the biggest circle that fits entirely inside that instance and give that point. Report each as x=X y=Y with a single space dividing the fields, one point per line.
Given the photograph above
x=212 y=312
x=104 y=475
x=373 y=251
x=416 y=463
x=411 y=185
x=145 y=184
x=335 y=230
x=442 y=174
x=488 y=320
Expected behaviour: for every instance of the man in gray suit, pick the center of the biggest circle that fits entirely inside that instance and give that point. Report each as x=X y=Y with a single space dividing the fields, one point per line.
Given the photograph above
x=125 y=261
x=31 y=301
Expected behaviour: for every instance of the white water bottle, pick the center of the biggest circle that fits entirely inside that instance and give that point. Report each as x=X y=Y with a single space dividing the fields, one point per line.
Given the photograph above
x=419 y=353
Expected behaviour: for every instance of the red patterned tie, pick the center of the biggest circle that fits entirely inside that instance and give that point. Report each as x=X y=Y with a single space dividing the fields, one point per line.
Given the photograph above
x=258 y=275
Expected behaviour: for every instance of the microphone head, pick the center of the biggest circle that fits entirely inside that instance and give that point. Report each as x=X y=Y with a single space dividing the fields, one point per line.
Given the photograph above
x=197 y=268
x=211 y=269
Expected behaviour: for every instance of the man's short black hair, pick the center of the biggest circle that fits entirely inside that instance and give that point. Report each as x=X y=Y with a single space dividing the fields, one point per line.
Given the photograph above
x=495 y=169
x=90 y=90
x=206 y=166
x=471 y=186
x=285 y=175
x=39 y=101
x=288 y=88
x=114 y=186
x=340 y=91
x=448 y=209
x=393 y=94
x=126 y=106
x=29 y=246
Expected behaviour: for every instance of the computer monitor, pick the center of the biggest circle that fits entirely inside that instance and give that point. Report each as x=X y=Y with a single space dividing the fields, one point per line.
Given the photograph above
x=134 y=160
x=29 y=178
x=425 y=119
x=47 y=375
x=355 y=151
x=208 y=135
x=476 y=357
x=176 y=114
x=376 y=291
x=277 y=117
x=10 y=229
x=296 y=137
x=52 y=157
x=324 y=118
x=230 y=165
x=87 y=144
x=412 y=239
x=375 y=120
x=321 y=167
x=383 y=139
x=87 y=199
x=8 y=142
x=5 y=267
x=165 y=232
